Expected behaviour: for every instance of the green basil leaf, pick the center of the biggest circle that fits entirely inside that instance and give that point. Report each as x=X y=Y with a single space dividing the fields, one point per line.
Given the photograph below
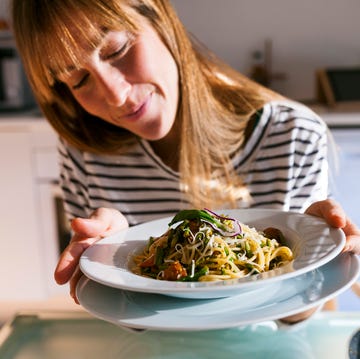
x=191 y=214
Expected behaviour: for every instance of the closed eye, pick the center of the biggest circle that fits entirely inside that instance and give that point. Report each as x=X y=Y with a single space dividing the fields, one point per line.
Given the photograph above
x=81 y=83
x=112 y=56
x=118 y=53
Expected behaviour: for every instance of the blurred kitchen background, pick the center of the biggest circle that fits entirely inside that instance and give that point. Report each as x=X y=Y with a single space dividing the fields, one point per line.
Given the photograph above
x=282 y=43
x=305 y=35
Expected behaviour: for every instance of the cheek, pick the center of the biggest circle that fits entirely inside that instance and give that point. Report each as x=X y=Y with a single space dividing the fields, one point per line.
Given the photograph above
x=172 y=74
x=84 y=101
x=155 y=64
x=167 y=74
x=91 y=103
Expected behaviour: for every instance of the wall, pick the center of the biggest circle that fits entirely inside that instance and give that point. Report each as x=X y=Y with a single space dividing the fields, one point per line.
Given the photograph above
x=4 y=5
x=306 y=35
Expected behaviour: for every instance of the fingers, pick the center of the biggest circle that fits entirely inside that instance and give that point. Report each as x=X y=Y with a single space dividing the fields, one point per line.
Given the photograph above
x=296 y=318
x=352 y=244
x=73 y=283
x=103 y=222
x=351 y=228
x=352 y=233
x=69 y=259
x=335 y=216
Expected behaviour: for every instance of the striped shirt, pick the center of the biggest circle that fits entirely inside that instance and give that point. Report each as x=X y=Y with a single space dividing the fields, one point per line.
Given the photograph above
x=284 y=164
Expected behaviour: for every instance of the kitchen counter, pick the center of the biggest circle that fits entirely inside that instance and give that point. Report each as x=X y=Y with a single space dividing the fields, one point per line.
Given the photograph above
x=341 y=116
x=9 y=309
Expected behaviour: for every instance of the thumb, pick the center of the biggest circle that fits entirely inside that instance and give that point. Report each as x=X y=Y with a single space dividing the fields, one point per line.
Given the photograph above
x=102 y=222
x=330 y=211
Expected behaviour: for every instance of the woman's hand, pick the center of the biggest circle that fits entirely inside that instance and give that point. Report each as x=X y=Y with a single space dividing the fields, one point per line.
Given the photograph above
x=103 y=222
x=335 y=216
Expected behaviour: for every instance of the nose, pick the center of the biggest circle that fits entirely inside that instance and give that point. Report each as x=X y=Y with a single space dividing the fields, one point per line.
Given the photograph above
x=113 y=87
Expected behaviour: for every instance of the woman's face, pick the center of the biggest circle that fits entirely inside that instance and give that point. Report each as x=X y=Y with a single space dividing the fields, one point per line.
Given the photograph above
x=129 y=81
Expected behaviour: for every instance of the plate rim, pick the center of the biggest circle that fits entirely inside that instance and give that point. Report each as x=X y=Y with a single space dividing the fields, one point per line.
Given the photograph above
x=346 y=283
x=194 y=289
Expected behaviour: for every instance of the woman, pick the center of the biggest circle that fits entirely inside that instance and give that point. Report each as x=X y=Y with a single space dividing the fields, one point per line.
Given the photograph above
x=151 y=123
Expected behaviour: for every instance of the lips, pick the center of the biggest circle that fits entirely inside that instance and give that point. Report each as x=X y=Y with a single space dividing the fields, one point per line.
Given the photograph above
x=135 y=111
x=138 y=110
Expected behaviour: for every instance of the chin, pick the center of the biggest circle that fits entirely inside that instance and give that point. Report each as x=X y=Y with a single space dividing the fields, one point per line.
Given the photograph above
x=153 y=138
x=156 y=135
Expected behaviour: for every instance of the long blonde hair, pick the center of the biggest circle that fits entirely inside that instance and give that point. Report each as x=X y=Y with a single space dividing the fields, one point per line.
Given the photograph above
x=215 y=104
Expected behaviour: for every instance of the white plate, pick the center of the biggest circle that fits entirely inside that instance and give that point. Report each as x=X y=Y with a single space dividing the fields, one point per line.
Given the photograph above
x=160 y=312
x=313 y=242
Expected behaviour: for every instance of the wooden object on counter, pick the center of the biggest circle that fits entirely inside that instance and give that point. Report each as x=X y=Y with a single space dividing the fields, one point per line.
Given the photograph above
x=338 y=88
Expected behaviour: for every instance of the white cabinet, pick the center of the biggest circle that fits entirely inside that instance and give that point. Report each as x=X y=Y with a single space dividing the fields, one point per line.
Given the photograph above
x=28 y=248
x=20 y=258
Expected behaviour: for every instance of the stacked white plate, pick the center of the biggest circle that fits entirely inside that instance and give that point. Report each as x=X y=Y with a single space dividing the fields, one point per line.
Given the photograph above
x=111 y=291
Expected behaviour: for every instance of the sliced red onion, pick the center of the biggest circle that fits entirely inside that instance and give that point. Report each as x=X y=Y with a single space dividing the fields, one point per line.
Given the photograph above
x=237 y=227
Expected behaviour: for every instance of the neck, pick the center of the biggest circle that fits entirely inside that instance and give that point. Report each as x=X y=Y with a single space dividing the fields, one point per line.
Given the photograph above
x=168 y=149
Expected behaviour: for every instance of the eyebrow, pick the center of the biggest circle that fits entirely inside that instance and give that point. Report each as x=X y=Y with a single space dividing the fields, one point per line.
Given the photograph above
x=67 y=69
x=58 y=73
x=95 y=44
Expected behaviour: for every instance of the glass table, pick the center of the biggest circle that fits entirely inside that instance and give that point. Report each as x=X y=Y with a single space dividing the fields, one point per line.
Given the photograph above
x=69 y=335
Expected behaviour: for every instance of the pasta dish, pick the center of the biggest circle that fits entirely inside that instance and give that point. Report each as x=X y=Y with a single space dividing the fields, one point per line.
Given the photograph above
x=201 y=245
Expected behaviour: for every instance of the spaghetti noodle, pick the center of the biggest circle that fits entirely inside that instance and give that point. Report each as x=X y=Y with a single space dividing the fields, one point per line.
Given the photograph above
x=200 y=245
